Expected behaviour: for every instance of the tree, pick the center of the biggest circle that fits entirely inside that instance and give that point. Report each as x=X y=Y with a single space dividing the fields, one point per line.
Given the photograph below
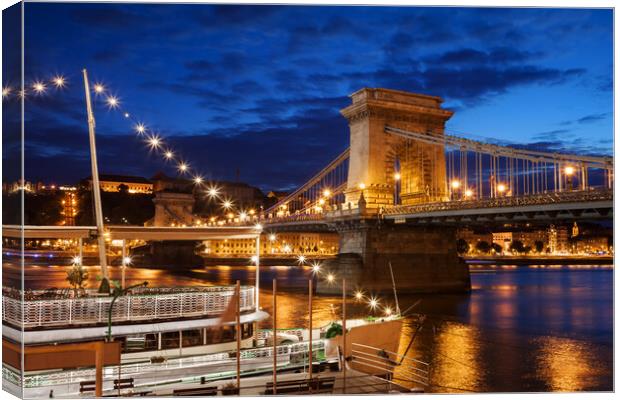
x=483 y=247
x=539 y=246
x=462 y=246
x=77 y=277
x=497 y=248
x=517 y=246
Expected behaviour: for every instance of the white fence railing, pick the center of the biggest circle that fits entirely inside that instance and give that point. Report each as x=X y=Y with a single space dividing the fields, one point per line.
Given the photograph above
x=249 y=357
x=139 y=306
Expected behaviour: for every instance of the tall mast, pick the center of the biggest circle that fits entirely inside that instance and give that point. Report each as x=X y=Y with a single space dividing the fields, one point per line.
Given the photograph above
x=95 y=176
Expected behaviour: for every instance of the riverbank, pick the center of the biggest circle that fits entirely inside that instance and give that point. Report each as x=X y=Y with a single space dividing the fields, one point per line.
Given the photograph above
x=550 y=260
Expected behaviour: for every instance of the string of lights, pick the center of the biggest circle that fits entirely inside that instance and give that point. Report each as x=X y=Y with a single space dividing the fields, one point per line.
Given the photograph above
x=153 y=141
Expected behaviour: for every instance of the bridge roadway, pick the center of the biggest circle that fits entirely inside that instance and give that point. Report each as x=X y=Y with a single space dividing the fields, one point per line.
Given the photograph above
x=133 y=232
x=591 y=204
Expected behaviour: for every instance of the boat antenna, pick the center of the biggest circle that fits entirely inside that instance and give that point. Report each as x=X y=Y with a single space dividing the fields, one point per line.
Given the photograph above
x=394 y=287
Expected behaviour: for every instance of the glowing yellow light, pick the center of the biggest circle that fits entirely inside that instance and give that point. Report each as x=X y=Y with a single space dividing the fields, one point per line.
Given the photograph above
x=154 y=142
x=76 y=260
x=252 y=211
x=59 y=81
x=272 y=237
x=327 y=192
x=113 y=101
x=362 y=186
x=168 y=154
x=254 y=259
x=213 y=191
x=388 y=311
x=468 y=193
x=227 y=204
x=501 y=188
x=359 y=295
x=258 y=227
x=316 y=268
x=455 y=184
x=198 y=180
x=373 y=303
x=287 y=249
x=330 y=277
x=243 y=215
x=318 y=208
x=301 y=259
x=39 y=87
x=569 y=170
x=321 y=201
x=140 y=128
x=397 y=176
x=231 y=215
x=183 y=167
x=6 y=91
x=99 y=88
x=127 y=260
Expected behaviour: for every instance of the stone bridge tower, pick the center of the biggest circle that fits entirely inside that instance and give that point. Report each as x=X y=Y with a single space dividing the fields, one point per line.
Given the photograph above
x=422 y=258
x=375 y=154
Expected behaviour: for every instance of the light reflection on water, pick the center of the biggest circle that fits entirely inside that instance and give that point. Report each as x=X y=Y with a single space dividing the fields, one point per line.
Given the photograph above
x=536 y=328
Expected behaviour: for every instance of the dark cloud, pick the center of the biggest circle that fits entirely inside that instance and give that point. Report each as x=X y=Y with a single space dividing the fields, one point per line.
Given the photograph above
x=105 y=16
x=467 y=56
x=587 y=119
x=592 y=118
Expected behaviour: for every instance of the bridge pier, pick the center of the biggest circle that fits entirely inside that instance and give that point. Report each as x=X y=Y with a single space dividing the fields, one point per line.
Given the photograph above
x=423 y=259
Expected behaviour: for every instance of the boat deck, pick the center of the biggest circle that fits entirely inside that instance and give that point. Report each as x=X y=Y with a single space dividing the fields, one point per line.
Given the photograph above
x=356 y=383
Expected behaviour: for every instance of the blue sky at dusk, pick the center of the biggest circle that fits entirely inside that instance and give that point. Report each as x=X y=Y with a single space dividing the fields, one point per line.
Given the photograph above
x=259 y=88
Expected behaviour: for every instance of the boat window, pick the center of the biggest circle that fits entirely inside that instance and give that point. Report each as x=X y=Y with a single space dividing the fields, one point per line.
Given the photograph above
x=246 y=330
x=192 y=337
x=135 y=343
x=228 y=333
x=170 y=340
x=214 y=335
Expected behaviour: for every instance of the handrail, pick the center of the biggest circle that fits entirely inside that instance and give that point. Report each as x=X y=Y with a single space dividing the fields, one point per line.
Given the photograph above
x=135 y=307
x=507 y=201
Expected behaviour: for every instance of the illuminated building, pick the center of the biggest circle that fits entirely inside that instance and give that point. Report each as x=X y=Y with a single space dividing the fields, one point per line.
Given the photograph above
x=112 y=183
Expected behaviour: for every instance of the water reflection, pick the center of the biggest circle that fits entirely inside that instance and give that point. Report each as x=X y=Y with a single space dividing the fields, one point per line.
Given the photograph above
x=530 y=328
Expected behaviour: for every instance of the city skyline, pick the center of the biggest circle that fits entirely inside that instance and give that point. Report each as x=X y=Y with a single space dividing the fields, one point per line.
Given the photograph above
x=266 y=83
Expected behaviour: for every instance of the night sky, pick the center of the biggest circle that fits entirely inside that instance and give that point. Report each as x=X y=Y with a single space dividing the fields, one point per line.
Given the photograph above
x=257 y=89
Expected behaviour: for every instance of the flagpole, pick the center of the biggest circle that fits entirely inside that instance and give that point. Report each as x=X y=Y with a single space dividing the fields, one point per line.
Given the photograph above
x=275 y=349
x=238 y=320
x=95 y=189
x=256 y=289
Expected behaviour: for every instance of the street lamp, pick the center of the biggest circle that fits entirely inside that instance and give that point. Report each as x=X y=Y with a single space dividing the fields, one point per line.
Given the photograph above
x=569 y=171
x=501 y=188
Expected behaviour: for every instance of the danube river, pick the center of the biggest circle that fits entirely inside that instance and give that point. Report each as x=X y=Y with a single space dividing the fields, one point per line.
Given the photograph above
x=527 y=328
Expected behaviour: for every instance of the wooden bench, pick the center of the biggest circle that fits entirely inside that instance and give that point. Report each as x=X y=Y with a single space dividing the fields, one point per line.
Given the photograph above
x=125 y=383
x=206 y=391
x=87 y=386
x=306 y=386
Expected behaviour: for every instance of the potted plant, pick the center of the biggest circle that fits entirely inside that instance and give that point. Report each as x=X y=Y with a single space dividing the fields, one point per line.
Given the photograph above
x=77 y=277
x=229 y=389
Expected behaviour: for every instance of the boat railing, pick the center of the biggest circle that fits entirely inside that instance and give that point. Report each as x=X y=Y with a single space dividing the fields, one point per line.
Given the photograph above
x=405 y=368
x=141 y=305
x=249 y=358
